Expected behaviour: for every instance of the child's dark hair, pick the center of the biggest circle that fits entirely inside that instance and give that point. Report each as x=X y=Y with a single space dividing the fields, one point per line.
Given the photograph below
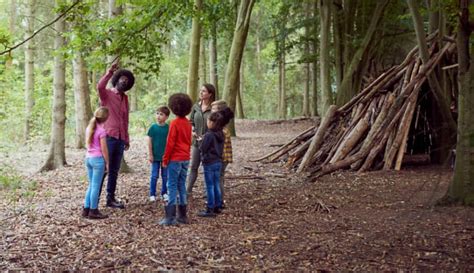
x=123 y=72
x=163 y=109
x=180 y=104
x=218 y=119
x=228 y=115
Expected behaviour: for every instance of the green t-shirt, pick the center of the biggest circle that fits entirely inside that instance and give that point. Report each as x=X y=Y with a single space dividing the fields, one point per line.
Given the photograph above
x=158 y=134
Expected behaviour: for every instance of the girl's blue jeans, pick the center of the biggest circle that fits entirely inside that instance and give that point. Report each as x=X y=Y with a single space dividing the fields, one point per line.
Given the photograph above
x=176 y=185
x=212 y=173
x=155 y=171
x=95 y=172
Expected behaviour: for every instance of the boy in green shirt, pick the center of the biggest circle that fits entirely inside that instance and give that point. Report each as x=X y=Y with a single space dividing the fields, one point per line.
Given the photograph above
x=157 y=135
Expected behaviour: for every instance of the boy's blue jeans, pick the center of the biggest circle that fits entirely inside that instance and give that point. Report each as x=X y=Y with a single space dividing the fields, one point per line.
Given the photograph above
x=155 y=170
x=95 y=172
x=176 y=185
x=212 y=173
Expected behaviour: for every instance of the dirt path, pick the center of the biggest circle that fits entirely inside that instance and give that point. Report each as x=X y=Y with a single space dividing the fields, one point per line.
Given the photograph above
x=376 y=221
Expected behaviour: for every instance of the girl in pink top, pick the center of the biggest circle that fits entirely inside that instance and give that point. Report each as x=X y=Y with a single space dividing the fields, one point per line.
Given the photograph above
x=97 y=161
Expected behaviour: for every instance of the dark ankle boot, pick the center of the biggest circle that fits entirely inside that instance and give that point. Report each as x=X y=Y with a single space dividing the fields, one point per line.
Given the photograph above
x=217 y=210
x=209 y=212
x=85 y=212
x=170 y=216
x=182 y=218
x=113 y=203
x=95 y=214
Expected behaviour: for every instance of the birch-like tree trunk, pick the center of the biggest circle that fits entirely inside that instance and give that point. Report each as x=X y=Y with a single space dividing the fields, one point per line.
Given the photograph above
x=29 y=68
x=324 y=60
x=213 y=76
x=461 y=189
x=57 y=154
x=231 y=85
x=82 y=102
x=193 y=67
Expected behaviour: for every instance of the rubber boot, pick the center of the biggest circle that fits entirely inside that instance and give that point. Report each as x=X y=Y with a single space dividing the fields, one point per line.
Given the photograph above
x=95 y=214
x=182 y=217
x=170 y=216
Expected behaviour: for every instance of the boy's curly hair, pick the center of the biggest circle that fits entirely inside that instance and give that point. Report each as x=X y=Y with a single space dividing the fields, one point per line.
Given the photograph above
x=180 y=104
x=123 y=72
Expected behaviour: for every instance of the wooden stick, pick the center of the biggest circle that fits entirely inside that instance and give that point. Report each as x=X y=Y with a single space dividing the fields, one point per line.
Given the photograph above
x=317 y=138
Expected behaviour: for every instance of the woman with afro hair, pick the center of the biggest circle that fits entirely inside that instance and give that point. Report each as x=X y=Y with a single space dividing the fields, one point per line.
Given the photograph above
x=176 y=159
x=116 y=125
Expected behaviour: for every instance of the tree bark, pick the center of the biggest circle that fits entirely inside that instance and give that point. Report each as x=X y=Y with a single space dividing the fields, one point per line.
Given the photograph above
x=202 y=62
x=326 y=92
x=352 y=76
x=29 y=68
x=314 y=65
x=57 y=154
x=239 y=39
x=12 y=23
x=193 y=68
x=240 y=107
x=282 y=87
x=213 y=76
x=306 y=65
x=338 y=17
x=81 y=99
x=461 y=189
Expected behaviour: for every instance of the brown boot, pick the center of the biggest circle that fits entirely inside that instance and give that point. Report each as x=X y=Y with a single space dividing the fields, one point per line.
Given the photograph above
x=95 y=214
x=85 y=212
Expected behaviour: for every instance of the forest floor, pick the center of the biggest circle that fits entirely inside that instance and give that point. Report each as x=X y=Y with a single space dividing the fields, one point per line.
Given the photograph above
x=274 y=220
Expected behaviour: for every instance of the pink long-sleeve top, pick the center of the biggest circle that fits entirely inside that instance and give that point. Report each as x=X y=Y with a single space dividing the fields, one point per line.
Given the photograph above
x=117 y=124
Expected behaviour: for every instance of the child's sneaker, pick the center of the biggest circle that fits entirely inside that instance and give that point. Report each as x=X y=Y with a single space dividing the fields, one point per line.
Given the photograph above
x=165 y=197
x=152 y=198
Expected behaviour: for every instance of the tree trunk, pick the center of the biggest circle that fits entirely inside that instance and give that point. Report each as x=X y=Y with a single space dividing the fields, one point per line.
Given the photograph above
x=57 y=154
x=213 y=78
x=81 y=98
x=29 y=68
x=349 y=9
x=447 y=122
x=306 y=65
x=114 y=11
x=193 y=68
x=12 y=23
x=282 y=88
x=353 y=74
x=240 y=107
x=231 y=85
x=324 y=48
x=202 y=62
x=461 y=189
x=338 y=38
x=314 y=65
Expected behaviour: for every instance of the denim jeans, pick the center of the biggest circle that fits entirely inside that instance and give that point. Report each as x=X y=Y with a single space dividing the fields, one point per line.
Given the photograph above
x=155 y=171
x=95 y=172
x=212 y=173
x=116 y=148
x=177 y=171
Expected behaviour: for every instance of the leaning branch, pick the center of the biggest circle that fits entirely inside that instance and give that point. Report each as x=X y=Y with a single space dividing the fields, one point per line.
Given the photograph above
x=41 y=29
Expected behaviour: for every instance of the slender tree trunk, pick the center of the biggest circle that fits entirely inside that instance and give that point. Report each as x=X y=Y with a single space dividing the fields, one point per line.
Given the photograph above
x=338 y=38
x=57 y=154
x=114 y=11
x=202 y=62
x=447 y=121
x=213 y=76
x=353 y=74
x=349 y=9
x=461 y=189
x=193 y=68
x=240 y=107
x=282 y=86
x=306 y=65
x=231 y=85
x=324 y=46
x=81 y=98
x=258 y=47
x=314 y=65
x=12 y=23
x=29 y=68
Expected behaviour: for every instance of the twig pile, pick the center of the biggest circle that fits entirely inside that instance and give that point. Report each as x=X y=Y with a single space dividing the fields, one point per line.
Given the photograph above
x=371 y=130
